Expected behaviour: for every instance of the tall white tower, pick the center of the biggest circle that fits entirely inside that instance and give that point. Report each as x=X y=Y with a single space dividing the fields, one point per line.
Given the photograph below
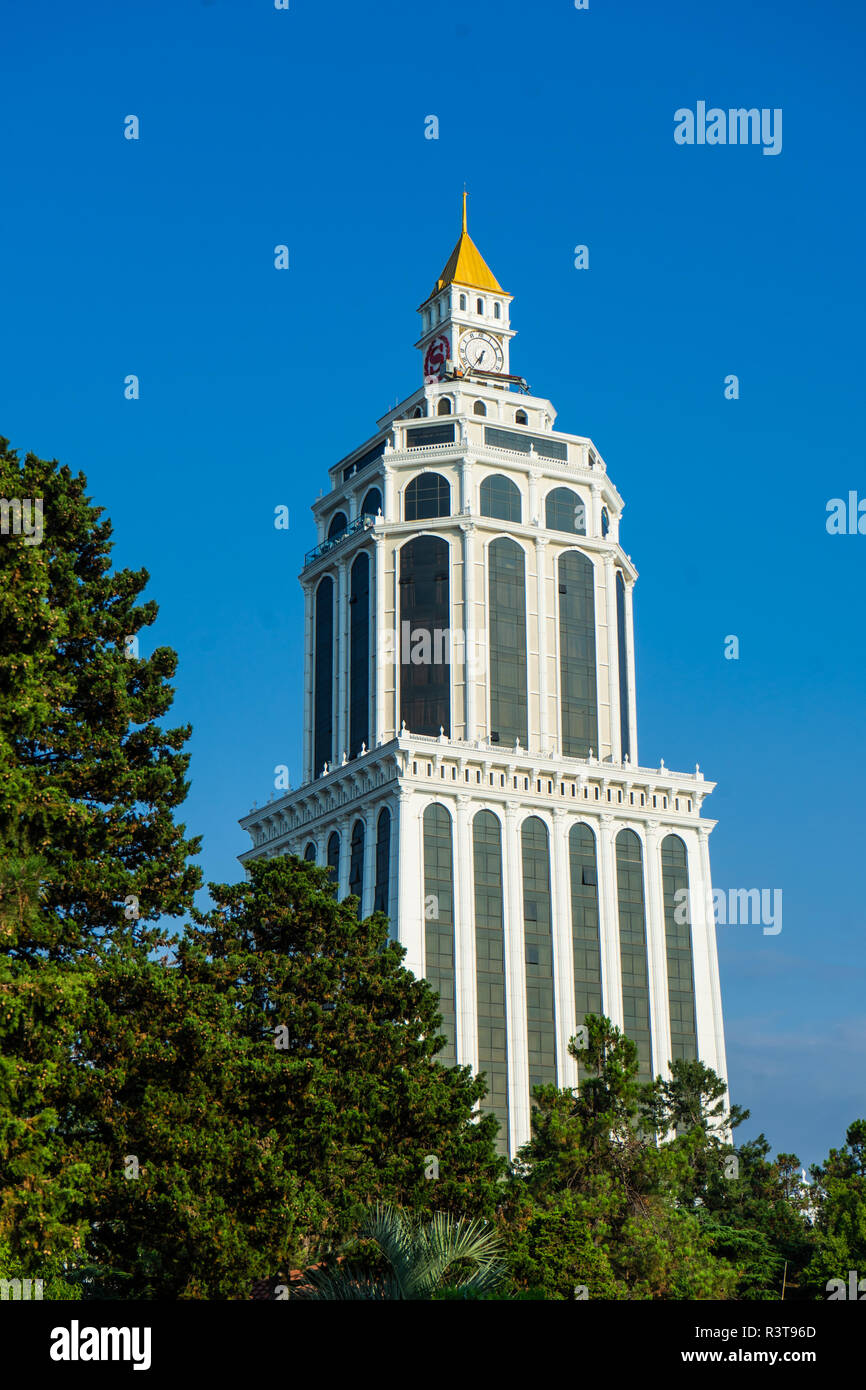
x=470 y=736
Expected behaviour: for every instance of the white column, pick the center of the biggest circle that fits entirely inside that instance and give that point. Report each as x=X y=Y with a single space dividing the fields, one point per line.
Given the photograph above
x=629 y=646
x=541 y=606
x=563 y=950
x=410 y=851
x=469 y=646
x=515 y=982
x=389 y=495
x=381 y=643
x=657 y=964
x=534 y=517
x=612 y=657
x=344 y=829
x=594 y=518
x=466 y=994
x=369 y=861
x=608 y=911
x=309 y=660
x=708 y=994
x=341 y=723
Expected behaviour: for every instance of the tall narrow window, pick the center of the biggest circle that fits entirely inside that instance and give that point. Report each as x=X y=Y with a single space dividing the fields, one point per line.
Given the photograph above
x=372 y=503
x=500 y=497
x=356 y=864
x=359 y=655
x=507 y=624
x=310 y=853
x=383 y=861
x=622 y=645
x=538 y=941
x=678 y=944
x=577 y=658
x=334 y=856
x=439 y=921
x=323 y=677
x=425 y=662
x=337 y=525
x=633 y=948
x=490 y=968
x=585 y=922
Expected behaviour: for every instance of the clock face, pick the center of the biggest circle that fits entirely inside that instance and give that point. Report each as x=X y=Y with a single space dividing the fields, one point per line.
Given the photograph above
x=436 y=356
x=482 y=351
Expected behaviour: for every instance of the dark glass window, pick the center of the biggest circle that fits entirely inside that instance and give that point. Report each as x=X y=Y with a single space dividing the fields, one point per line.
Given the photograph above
x=521 y=418
x=444 y=406
x=310 y=853
x=479 y=408
x=356 y=864
x=508 y=699
x=372 y=503
x=383 y=861
x=323 y=677
x=565 y=511
x=425 y=663
x=359 y=655
x=623 y=666
x=500 y=497
x=678 y=944
x=334 y=856
x=490 y=968
x=337 y=524
x=577 y=657
x=586 y=941
x=439 y=922
x=633 y=948
x=538 y=939
x=542 y=444
x=422 y=435
x=426 y=496
x=605 y=521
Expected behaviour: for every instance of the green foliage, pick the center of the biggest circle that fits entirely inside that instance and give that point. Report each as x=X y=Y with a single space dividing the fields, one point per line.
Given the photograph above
x=840 y=1197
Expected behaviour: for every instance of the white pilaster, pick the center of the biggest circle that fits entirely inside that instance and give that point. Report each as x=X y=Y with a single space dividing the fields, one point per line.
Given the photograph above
x=657 y=967
x=563 y=950
x=541 y=606
x=515 y=994
x=611 y=972
x=612 y=657
x=466 y=993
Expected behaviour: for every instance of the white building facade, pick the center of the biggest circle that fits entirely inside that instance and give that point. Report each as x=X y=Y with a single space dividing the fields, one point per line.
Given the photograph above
x=470 y=737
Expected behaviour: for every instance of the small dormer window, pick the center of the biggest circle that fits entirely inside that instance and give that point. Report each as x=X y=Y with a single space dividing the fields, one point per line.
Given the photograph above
x=463 y=301
x=479 y=305
x=479 y=408
x=497 y=312
x=444 y=406
x=521 y=418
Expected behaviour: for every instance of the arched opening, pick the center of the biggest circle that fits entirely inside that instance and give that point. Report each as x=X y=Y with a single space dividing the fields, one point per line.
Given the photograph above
x=359 y=654
x=323 y=676
x=538 y=939
x=490 y=971
x=439 y=921
x=633 y=948
x=334 y=856
x=479 y=408
x=479 y=306
x=372 y=503
x=356 y=864
x=585 y=931
x=428 y=495
x=444 y=406
x=463 y=301
x=521 y=418
x=310 y=853
x=500 y=497
x=383 y=861
x=497 y=311
x=336 y=525
x=577 y=656
x=425 y=662
x=678 y=946
x=507 y=642
x=565 y=511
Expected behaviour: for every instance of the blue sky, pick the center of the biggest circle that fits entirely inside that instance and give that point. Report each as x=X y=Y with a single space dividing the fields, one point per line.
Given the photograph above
x=306 y=127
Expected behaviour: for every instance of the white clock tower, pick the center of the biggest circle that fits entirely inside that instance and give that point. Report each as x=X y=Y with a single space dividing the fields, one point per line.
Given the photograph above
x=470 y=728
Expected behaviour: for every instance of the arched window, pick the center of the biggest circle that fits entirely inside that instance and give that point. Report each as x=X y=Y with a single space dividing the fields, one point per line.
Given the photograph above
x=586 y=940
x=463 y=301
x=490 y=968
x=323 y=677
x=479 y=306
x=310 y=853
x=372 y=503
x=497 y=311
x=500 y=497
x=678 y=944
x=507 y=629
x=336 y=525
x=538 y=939
x=577 y=656
x=605 y=521
x=622 y=648
x=359 y=654
x=425 y=662
x=444 y=406
x=381 y=890
x=479 y=408
x=334 y=856
x=417 y=412
x=439 y=921
x=565 y=511
x=426 y=496
x=632 y=948
x=356 y=864
x=521 y=418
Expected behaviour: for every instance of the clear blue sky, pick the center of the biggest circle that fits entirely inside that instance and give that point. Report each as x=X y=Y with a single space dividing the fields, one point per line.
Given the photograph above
x=306 y=127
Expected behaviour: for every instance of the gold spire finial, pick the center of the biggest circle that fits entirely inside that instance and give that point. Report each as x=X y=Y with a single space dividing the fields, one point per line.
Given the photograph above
x=465 y=195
